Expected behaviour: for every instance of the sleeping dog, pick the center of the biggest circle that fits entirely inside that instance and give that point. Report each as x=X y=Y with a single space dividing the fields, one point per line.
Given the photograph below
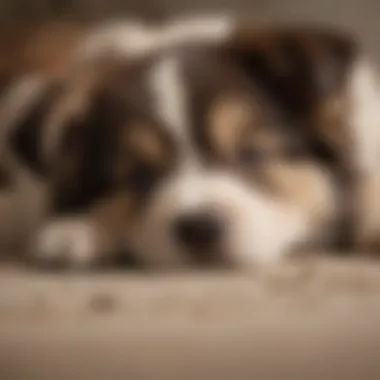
x=229 y=145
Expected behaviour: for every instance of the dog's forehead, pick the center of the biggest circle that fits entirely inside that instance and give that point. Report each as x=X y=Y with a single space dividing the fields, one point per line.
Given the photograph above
x=153 y=90
x=170 y=94
x=184 y=83
x=190 y=91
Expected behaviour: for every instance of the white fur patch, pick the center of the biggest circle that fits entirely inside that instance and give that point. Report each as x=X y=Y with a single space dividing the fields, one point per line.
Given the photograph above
x=134 y=39
x=364 y=119
x=212 y=28
x=365 y=114
x=259 y=230
x=130 y=38
x=73 y=241
x=171 y=98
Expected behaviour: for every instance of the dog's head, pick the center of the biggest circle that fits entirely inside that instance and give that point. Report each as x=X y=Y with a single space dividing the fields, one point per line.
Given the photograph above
x=219 y=152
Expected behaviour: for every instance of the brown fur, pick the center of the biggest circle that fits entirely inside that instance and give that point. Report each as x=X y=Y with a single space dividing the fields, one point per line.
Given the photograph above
x=266 y=105
x=43 y=49
x=228 y=119
x=307 y=71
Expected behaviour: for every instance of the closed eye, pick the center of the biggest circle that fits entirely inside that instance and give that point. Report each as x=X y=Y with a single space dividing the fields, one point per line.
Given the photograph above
x=250 y=155
x=142 y=177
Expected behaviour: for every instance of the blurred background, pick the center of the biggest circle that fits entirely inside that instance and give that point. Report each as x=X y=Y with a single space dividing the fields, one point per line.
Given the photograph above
x=359 y=14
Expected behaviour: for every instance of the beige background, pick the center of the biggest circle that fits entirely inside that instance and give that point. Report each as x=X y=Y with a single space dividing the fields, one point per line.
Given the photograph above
x=359 y=14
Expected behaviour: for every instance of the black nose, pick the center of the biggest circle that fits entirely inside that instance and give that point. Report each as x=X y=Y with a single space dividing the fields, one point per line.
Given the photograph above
x=199 y=231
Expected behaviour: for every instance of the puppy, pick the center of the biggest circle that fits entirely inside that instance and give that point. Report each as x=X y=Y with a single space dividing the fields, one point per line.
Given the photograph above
x=223 y=151
x=32 y=57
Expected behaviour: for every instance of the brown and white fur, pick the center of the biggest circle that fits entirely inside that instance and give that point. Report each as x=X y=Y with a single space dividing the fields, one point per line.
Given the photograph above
x=33 y=55
x=233 y=148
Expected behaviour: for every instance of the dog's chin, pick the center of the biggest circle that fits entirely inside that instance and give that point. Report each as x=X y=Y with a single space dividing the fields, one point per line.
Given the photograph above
x=259 y=238
x=245 y=252
x=259 y=231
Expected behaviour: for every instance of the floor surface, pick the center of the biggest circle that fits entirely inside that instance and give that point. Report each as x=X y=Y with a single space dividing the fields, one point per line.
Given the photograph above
x=314 y=319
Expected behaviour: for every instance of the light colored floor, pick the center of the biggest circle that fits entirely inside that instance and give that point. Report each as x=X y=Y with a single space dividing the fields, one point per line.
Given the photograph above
x=315 y=319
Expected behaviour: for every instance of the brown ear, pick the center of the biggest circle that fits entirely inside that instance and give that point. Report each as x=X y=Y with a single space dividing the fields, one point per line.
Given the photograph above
x=24 y=109
x=305 y=70
x=299 y=66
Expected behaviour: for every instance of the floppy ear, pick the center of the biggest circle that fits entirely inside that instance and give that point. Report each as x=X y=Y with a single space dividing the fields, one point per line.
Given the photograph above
x=24 y=108
x=306 y=71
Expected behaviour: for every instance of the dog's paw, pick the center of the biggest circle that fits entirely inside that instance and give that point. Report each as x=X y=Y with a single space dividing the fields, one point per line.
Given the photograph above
x=69 y=243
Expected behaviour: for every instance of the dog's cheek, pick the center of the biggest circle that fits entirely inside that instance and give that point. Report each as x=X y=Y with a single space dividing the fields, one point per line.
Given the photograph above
x=366 y=237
